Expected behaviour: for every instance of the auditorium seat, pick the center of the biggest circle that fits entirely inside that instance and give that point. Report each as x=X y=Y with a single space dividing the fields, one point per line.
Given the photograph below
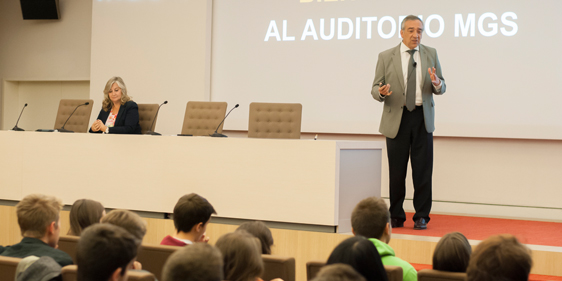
x=80 y=121
x=147 y=114
x=437 y=275
x=67 y=244
x=203 y=117
x=8 y=267
x=69 y=274
x=278 y=267
x=153 y=258
x=275 y=120
x=394 y=273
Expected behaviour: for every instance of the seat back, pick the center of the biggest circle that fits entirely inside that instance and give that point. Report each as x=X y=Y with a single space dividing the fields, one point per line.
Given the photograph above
x=79 y=122
x=394 y=273
x=312 y=268
x=153 y=257
x=67 y=244
x=437 y=275
x=275 y=120
x=202 y=117
x=147 y=114
x=8 y=266
x=278 y=267
x=69 y=273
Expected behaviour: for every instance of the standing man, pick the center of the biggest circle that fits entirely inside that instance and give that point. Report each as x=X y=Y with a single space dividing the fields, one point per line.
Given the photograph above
x=406 y=78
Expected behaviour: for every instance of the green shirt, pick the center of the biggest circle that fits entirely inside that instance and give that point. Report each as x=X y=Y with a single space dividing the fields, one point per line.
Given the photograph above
x=389 y=258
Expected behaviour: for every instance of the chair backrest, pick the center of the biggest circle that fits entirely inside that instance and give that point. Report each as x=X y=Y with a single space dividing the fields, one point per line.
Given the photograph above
x=278 y=267
x=153 y=257
x=202 y=117
x=312 y=268
x=80 y=120
x=8 y=266
x=147 y=114
x=437 y=275
x=275 y=120
x=67 y=244
x=69 y=273
x=394 y=273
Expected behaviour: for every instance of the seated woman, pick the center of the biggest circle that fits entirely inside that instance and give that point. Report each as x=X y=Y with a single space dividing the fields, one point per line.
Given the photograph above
x=119 y=114
x=452 y=253
x=259 y=230
x=83 y=213
x=362 y=255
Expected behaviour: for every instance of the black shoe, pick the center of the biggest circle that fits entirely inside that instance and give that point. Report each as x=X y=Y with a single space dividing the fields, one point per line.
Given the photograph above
x=396 y=223
x=420 y=224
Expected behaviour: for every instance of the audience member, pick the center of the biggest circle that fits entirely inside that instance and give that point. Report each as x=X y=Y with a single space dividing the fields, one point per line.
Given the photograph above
x=338 y=272
x=199 y=262
x=39 y=221
x=500 y=257
x=259 y=230
x=105 y=252
x=371 y=219
x=452 y=253
x=362 y=255
x=131 y=222
x=191 y=216
x=83 y=213
x=241 y=256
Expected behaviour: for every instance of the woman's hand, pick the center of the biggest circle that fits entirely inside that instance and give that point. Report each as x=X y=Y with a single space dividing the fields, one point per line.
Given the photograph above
x=96 y=125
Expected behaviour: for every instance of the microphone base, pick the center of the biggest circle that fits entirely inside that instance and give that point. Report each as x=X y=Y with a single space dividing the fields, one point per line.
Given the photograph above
x=217 y=135
x=153 y=133
x=16 y=128
x=63 y=130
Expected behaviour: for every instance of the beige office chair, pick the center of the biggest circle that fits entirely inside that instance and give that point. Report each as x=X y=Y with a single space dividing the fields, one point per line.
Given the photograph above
x=312 y=269
x=79 y=122
x=67 y=244
x=278 y=267
x=275 y=120
x=8 y=266
x=437 y=275
x=203 y=117
x=69 y=273
x=153 y=257
x=394 y=273
x=147 y=114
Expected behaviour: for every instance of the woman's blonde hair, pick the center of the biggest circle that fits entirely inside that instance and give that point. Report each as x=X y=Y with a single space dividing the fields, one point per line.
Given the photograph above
x=241 y=255
x=107 y=104
x=83 y=213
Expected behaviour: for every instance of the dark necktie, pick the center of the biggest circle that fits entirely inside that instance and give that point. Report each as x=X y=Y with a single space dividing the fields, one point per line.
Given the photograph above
x=411 y=92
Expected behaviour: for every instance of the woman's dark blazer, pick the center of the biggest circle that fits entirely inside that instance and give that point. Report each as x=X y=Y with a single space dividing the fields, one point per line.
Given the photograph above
x=127 y=121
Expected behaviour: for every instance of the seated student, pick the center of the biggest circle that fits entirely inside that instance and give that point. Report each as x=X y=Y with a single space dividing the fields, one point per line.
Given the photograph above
x=39 y=221
x=241 y=256
x=259 y=230
x=338 y=272
x=452 y=253
x=362 y=255
x=129 y=221
x=83 y=213
x=500 y=257
x=199 y=262
x=191 y=216
x=371 y=219
x=105 y=252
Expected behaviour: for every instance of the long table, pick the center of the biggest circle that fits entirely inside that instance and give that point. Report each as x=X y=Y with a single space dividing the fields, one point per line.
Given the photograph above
x=291 y=181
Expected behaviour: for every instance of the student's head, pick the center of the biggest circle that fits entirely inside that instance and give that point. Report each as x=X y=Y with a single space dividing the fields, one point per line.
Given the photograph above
x=241 y=256
x=452 y=253
x=129 y=221
x=83 y=213
x=338 y=272
x=371 y=219
x=105 y=252
x=191 y=214
x=198 y=262
x=39 y=217
x=500 y=257
x=259 y=230
x=362 y=255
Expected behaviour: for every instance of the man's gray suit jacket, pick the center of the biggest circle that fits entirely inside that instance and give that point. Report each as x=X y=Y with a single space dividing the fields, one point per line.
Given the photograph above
x=389 y=71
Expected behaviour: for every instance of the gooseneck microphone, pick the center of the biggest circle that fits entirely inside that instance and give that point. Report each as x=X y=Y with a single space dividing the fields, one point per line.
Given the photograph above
x=16 y=128
x=217 y=135
x=150 y=132
x=62 y=129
